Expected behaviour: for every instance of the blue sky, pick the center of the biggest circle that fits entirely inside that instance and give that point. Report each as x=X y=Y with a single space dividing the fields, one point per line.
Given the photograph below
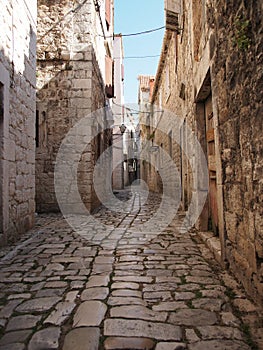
x=132 y=16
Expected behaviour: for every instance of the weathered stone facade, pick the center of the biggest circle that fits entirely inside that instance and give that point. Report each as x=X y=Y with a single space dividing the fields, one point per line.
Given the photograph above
x=210 y=78
x=238 y=84
x=74 y=65
x=147 y=171
x=118 y=110
x=17 y=117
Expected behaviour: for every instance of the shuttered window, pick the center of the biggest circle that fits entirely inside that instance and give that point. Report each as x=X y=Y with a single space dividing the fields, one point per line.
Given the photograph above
x=108 y=12
x=1 y=101
x=109 y=76
x=172 y=11
x=122 y=72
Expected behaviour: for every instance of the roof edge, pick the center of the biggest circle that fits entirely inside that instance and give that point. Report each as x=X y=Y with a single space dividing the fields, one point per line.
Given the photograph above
x=166 y=40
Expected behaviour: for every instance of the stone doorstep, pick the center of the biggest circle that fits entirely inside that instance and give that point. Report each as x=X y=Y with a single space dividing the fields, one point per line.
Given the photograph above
x=213 y=243
x=113 y=343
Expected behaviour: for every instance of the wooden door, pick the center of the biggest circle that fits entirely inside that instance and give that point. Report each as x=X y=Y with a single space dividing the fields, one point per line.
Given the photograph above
x=1 y=155
x=210 y=137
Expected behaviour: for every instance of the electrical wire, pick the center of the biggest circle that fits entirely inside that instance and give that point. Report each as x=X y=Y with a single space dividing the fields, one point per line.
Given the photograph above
x=137 y=33
x=144 y=32
x=136 y=57
x=136 y=110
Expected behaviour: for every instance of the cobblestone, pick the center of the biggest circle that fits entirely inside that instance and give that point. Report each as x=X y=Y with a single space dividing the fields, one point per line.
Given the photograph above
x=47 y=338
x=96 y=293
x=89 y=313
x=82 y=339
x=113 y=343
x=22 y=322
x=125 y=288
x=139 y=328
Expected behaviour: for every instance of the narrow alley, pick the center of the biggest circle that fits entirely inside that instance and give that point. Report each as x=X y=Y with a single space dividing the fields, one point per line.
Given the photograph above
x=131 y=175
x=122 y=289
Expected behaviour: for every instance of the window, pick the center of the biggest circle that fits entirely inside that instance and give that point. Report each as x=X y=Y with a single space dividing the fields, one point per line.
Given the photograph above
x=167 y=80
x=172 y=11
x=170 y=144
x=98 y=145
x=1 y=102
x=161 y=157
x=1 y=153
x=109 y=76
x=175 y=51
x=122 y=71
x=37 y=128
x=108 y=13
x=161 y=99
x=1 y=119
x=41 y=129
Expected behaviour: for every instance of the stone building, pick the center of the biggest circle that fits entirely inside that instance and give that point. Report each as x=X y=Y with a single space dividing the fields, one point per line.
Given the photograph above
x=17 y=117
x=118 y=110
x=209 y=78
x=74 y=79
x=145 y=90
x=131 y=147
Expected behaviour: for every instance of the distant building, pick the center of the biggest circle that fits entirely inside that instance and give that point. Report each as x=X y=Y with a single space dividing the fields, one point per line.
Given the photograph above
x=131 y=148
x=17 y=117
x=145 y=90
x=119 y=111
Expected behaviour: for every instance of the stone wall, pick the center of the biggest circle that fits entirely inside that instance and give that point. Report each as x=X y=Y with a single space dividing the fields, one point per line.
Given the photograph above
x=118 y=109
x=210 y=78
x=70 y=86
x=168 y=128
x=17 y=117
x=237 y=66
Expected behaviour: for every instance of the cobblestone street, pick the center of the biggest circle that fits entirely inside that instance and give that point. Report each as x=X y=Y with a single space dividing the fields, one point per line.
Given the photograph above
x=126 y=289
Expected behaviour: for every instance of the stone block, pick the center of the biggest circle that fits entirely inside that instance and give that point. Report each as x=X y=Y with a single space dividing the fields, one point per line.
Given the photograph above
x=82 y=339
x=38 y=304
x=22 y=322
x=113 y=343
x=89 y=313
x=138 y=328
x=81 y=83
x=61 y=313
x=81 y=103
x=45 y=339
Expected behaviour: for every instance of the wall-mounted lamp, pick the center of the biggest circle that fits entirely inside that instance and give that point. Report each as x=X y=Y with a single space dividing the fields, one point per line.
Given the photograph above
x=122 y=128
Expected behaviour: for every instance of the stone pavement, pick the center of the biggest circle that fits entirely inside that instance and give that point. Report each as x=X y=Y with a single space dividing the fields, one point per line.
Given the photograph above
x=120 y=289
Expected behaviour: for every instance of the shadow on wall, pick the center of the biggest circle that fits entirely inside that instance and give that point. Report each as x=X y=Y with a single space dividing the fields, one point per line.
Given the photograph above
x=17 y=143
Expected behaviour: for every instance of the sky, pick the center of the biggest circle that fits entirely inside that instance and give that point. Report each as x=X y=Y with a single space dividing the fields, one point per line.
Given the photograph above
x=132 y=16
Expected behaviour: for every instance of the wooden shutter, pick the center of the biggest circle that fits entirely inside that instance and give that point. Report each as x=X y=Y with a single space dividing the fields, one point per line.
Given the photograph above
x=172 y=11
x=122 y=72
x=108 y=12
x=109 y=76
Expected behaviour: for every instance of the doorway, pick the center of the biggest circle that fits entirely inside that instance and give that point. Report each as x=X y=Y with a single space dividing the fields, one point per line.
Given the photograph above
x=211 y=159
x=1 y=154
x=209 y=219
